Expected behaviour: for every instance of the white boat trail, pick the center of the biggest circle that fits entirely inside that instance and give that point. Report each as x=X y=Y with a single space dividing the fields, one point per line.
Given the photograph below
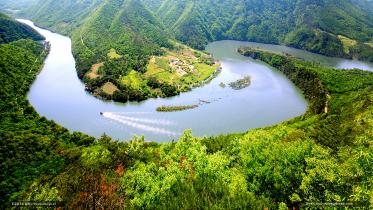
x=136 y=125
x=145 y=120
x=130 y=113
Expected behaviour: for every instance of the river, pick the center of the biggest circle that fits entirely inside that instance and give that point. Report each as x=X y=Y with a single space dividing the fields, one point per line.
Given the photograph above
x=59 y=95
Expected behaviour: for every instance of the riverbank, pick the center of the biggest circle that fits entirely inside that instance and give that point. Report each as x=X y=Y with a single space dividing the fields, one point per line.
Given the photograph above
x=58 y=84
x=295 y=157
x=166 y=74
x=304 y=144
x=305 y=78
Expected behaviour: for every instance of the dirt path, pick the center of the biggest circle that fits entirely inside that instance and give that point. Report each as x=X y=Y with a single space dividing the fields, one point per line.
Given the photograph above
x=81 y=39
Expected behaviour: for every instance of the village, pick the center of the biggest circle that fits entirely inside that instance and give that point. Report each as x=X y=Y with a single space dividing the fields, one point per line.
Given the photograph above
x=181 y=67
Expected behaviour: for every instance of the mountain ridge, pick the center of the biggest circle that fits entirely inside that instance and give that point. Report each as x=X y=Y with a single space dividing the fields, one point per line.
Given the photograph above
x=134 y=32
x=304 y=24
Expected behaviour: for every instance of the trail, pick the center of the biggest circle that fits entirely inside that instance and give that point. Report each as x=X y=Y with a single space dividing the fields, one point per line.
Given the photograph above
x=81 y=39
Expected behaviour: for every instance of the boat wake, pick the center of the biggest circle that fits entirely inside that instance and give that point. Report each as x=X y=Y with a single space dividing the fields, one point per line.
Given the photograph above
x=140 y=123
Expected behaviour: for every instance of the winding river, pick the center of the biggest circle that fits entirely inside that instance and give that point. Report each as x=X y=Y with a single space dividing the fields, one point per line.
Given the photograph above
x=59 y=95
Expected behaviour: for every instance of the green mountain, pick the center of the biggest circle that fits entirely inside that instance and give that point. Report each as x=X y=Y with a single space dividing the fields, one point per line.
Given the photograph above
x=16 y=7
x=325 y=155
x=115 y=40
x=12 y=30
x=331 y=27
x=124 y=25
x=62 y=16
x=316 y=26
x=113 y=43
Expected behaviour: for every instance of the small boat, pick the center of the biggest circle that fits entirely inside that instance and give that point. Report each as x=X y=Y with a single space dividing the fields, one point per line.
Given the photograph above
x=101 y=113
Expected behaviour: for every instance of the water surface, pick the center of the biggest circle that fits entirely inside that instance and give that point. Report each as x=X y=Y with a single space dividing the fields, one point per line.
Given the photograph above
x=59 y=95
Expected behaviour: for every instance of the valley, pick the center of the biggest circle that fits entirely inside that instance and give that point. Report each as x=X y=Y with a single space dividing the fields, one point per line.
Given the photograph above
x=58 y=84
x=170 y=104
x=142 y=39
x=270 y=98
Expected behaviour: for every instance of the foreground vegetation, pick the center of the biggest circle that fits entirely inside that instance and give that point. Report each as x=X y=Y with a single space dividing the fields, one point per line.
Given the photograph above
x=324 y=155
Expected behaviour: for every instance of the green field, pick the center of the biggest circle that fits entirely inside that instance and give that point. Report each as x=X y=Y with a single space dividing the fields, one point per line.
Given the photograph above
x=347 y=43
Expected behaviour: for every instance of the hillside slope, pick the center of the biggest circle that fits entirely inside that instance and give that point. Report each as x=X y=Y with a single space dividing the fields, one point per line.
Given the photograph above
x=325 y=155
x=62 y=16
x=123 y=50
x=330 y=27
x=16 y=7
x=119 y=45
x=12 y=30
x=316 y=26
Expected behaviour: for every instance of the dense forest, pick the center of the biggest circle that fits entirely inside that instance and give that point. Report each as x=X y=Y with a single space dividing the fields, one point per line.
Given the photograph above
x=114 y=42
x=317 y=26
x=325 y=155
x=11 y=30
x=135 y=31
x=322 y=156
x=18 y=6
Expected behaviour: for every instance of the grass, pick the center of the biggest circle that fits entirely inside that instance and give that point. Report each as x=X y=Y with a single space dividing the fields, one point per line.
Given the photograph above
x=154 y=70
x=347 y=43
x=205 y=71
x=194 y=69
x=175 y=108
x=162 y=63
x=113 y=54
x=133 y=79
x=109 y=88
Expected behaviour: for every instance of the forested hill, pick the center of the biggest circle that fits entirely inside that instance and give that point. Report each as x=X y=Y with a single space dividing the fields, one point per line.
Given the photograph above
x=325 y=155
x=29 y=143
x=342 y=28
x=11 y=30
x=124 y=25
x=62 y=16
x=122 y=46
x=16 y=7
x=324 y=26
x=122 y=49
x=366 y=5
